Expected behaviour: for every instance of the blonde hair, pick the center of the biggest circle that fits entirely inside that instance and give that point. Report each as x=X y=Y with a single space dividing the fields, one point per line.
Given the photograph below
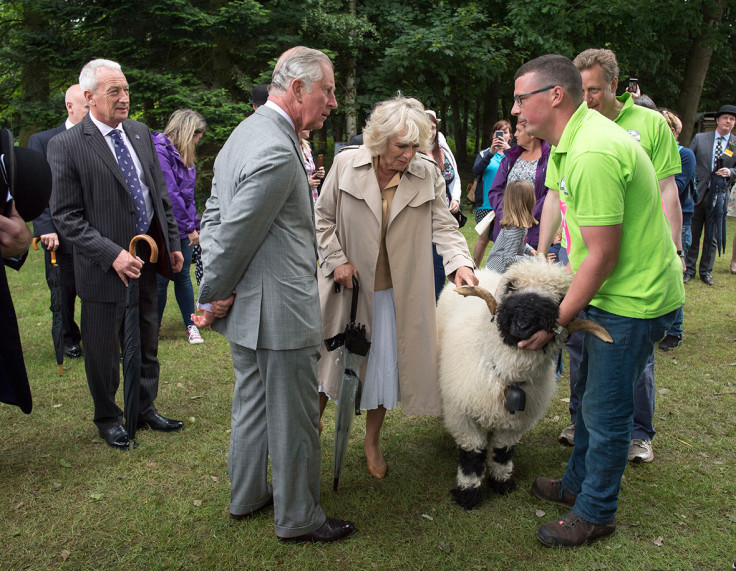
x=400 y=116
x=183 y=125
x=518 y=203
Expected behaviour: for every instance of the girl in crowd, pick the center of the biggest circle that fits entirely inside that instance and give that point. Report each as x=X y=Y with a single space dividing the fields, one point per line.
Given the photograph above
x=510 y=245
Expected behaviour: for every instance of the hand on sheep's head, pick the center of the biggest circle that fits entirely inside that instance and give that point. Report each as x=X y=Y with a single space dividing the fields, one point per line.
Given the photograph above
x=521 y=316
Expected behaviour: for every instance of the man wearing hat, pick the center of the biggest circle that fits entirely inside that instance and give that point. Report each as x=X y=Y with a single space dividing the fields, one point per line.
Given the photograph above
x=711 y=149
x=260 y=96
x=25 y=186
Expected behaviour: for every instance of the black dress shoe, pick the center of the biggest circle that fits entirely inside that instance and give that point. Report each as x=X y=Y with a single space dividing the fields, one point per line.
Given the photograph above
x=331 y=530
x=240 y=517
x=116 y=436
x=73 y=352
x=707 y=279
x=686 y=278
x=157 y=422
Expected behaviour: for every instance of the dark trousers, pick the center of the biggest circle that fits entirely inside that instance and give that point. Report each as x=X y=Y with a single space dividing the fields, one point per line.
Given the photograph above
x=102 y=328
x=68 y=287
x=700 y=226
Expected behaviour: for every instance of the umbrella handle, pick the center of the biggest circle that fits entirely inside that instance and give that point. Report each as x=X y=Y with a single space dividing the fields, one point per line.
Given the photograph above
x=151 y=242
x=35 y=242
x=354 y=301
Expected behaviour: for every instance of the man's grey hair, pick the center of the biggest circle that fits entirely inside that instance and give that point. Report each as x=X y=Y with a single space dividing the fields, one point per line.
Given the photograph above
x=88 y=75
x=298 y=63
x=552 y=69
x=604 y=58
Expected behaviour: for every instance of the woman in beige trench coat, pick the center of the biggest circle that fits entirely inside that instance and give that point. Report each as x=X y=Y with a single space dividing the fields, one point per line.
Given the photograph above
x=381 y=206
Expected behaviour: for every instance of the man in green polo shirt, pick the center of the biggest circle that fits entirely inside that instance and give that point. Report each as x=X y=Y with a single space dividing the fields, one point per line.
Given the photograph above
x=612 y=212
x=599 y=71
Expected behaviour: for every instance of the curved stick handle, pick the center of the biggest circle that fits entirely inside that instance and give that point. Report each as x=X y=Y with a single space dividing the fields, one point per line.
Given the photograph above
x=151 y=243
x=35 y=242
x=354 y=301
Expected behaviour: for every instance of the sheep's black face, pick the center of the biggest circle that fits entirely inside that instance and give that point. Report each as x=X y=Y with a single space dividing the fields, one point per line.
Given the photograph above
x=520 y=316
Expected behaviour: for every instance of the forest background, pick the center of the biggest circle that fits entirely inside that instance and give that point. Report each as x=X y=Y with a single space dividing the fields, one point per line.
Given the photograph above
x=456 y=56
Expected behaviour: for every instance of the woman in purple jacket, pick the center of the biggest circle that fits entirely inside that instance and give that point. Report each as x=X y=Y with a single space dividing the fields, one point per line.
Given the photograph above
x=526 y=161
x=175 y=147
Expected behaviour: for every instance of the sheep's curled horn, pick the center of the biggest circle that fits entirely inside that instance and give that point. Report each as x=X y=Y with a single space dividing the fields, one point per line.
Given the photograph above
x=575 y=325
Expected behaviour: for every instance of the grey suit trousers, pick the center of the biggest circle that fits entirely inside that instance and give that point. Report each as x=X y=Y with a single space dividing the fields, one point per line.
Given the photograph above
x=275 y=414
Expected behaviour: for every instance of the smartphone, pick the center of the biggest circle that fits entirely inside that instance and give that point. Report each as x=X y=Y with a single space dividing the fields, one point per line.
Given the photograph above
x=633 y=84
x=499 y=134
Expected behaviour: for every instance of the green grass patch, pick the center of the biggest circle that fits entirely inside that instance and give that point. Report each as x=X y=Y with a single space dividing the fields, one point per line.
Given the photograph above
x=70 y=501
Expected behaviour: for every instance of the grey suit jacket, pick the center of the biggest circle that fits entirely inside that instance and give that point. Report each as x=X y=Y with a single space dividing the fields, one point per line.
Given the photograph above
x=91 y=205
x=702 y=146
x=258 y=238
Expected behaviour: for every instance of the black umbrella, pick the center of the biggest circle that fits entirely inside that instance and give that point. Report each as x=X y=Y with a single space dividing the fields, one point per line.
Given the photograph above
x=715 y=211
x=132 y=344
x=54 y=280
x=355 y=348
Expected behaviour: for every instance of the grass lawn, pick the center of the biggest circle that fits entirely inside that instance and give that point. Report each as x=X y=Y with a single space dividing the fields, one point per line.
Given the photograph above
x=70 y=501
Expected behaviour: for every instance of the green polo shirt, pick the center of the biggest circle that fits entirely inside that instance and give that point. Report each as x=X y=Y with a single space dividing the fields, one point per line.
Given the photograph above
x=605 y=178
x=650 y=129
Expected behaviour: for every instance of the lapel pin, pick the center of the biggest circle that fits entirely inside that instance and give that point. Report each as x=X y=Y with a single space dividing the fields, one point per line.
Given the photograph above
x=138 y=137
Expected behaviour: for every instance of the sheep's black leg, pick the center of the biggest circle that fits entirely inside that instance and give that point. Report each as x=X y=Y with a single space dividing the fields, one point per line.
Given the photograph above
x=470 y=471
x=501 y=469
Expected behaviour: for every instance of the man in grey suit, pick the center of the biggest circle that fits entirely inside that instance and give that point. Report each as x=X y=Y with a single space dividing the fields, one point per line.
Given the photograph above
x=258 y=240
x=707 y=147
x=108 y=187
x=43 y=227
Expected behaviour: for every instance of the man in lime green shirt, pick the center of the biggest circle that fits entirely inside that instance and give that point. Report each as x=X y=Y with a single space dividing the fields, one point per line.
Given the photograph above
x=612 y=213
x=599 y=71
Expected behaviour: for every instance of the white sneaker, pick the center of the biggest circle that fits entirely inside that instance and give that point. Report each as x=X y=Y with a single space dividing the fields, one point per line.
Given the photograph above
x=641 y=451
x=193 y=334
x=567 y=436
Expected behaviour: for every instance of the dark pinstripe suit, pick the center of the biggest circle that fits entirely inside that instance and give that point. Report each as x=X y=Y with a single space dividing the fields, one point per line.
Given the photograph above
x=92 y=208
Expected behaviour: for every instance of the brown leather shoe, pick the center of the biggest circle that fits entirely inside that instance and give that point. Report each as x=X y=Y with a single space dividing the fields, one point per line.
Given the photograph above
x=331 y=530
x=553 y=492
x=571 y=531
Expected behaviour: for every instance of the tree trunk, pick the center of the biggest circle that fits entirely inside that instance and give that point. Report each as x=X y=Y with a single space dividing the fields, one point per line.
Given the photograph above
x=350 y=118
x=697 y=68
x=490 y=112
x=34 y=72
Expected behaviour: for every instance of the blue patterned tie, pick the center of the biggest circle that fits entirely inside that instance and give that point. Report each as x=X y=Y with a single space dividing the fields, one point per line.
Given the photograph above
x=718 y=152
x=131 y=178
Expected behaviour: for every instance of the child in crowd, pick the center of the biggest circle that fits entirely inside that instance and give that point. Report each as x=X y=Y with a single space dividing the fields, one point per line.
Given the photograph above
x=511 y=246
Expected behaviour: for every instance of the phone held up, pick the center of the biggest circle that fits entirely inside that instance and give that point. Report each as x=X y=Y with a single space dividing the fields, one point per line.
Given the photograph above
x=633 y=84
x=498 y=134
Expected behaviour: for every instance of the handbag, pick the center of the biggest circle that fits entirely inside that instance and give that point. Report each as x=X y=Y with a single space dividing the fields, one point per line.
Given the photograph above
x=460 y=217
x=470 y=193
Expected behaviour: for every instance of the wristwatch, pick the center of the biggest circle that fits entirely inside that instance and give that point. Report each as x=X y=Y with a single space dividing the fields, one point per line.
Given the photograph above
x=681 y=253
x=557 y=329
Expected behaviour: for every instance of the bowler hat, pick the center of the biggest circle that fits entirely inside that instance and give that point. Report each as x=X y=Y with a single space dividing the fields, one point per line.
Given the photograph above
x=260 y=95
x=26 y=177
x=726 y=109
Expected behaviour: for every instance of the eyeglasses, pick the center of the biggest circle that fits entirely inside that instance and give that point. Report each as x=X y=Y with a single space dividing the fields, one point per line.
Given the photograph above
x=518 y=98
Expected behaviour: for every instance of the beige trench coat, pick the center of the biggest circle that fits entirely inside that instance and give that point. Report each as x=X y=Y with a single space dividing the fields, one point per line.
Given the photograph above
x=348 y=222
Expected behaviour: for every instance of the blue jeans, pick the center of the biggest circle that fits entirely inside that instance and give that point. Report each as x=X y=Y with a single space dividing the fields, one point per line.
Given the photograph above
x=182 y=287
x=676 y=329
x=606 y=379
x=643 y=427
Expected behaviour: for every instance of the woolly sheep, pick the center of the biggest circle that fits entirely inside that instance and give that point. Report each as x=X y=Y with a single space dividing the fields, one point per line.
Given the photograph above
x=485 y=384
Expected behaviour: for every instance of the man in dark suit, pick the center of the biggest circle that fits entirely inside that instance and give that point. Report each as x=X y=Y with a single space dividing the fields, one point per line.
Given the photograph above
x=708 y=147
x=108 y=187
x=43 y=227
